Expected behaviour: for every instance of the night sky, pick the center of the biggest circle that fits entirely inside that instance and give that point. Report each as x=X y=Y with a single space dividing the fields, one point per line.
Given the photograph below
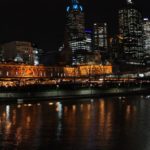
x=42 y=21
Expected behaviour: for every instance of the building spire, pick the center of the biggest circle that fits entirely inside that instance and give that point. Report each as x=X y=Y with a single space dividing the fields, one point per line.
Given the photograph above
x=74 y=1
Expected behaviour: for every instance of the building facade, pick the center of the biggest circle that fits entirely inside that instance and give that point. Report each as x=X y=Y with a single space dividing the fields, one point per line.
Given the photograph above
x=75 y=31
x=146 y=27
x=88 y=39
x=100 y=40
x=131 y=31
x=18 y=51
x=31 y=71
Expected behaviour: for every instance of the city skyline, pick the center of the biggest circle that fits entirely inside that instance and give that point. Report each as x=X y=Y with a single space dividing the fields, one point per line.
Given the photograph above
x=43 y=22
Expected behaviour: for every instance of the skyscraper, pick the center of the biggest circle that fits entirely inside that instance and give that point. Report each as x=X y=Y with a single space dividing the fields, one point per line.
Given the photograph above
x=100 y=40
x=146 y=27
x=75 y=31
x=88 y=37
x=100 y=36
x=131 y=31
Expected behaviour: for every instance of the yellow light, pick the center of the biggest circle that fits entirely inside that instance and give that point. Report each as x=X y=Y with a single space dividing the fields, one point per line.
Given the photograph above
x=29 y=105
x=38 y=104
x=51 y=103
x=19 y=106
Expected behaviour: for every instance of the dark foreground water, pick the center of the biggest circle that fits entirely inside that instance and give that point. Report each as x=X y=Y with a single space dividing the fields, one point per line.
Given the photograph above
x=118 y=123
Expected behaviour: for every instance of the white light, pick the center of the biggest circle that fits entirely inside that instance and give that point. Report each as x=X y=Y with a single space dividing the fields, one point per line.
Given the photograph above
x=145 y=19
x=129 y=1
x=59 y=109
x=141 y=75
x=7 y=112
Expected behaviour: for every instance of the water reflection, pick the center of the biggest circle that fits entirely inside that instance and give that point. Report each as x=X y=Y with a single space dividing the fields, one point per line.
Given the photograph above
x=109 y=123
x=59 y=124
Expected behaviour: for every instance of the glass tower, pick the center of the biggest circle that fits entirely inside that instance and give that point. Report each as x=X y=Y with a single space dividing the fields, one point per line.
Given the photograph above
x=100 y=36
x=88 y=37
x=146 y=27
x=131 y=31
x=75 y=31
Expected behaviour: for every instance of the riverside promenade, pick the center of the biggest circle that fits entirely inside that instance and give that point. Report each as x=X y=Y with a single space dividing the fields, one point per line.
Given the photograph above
x=73 y=93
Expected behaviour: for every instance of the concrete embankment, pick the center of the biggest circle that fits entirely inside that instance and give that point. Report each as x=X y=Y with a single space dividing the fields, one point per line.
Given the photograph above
x=73 y=93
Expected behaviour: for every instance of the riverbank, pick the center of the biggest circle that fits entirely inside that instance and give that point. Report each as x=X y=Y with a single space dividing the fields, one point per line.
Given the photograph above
x=60 y=93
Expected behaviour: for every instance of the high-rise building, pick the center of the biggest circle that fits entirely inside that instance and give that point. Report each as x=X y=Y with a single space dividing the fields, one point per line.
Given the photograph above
x=146 y=27
x=88 y=40
x=75 y=31
x=37 y=56
x=100 y=40
x=131 y=31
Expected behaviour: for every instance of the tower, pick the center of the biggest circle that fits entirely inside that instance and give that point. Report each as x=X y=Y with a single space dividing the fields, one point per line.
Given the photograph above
x=88 y=37
x=100 y=36
x=131 y=31
x=75 y=31
x=100 y=40
x=146 y=27
x=75 y=20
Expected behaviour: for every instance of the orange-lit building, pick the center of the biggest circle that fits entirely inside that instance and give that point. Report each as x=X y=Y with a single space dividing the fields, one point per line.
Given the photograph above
x=21 y=70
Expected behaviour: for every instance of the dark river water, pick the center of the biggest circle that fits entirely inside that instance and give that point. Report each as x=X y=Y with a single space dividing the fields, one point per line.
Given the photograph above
x=112 y=123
